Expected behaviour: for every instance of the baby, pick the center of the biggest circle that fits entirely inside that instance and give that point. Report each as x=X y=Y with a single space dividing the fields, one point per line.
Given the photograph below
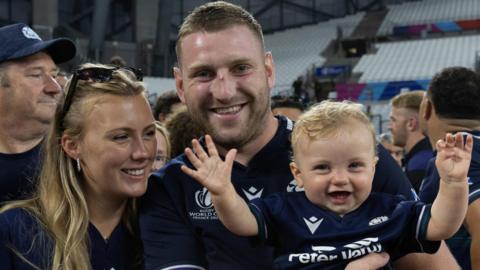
x=337 y=218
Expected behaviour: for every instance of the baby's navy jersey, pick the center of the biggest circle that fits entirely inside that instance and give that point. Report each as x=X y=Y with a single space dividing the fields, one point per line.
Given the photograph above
x=459 y=244
x=180 y=228
x=306 y=236
x=21 y=233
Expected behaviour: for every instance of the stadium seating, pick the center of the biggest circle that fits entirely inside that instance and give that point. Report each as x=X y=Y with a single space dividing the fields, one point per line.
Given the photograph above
x=295 y=50
x=428 y=12
x=418 y=59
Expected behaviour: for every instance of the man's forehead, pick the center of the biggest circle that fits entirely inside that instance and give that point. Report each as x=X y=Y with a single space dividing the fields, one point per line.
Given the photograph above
x=39 y=60
x=199 y=38
x=212 y=44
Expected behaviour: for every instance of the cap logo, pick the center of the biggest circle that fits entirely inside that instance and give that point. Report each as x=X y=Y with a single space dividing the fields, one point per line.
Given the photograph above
x=29 y=33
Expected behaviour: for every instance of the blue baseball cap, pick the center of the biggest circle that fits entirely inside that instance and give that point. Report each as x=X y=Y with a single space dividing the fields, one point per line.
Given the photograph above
x=19 y=40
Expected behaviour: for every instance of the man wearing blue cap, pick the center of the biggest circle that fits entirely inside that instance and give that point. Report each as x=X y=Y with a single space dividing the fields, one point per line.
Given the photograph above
x=28 y=98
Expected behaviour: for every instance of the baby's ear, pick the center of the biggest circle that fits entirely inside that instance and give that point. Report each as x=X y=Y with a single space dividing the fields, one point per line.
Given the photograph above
x=296 y=173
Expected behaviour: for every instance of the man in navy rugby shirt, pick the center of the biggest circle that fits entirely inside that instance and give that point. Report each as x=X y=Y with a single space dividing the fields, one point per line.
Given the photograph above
x=406 y=133
x=225 y=78
x=451 y=104
x=337 y=218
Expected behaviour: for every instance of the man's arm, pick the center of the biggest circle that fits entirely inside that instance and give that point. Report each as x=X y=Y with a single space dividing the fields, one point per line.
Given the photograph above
x=450 y=206
x=441 y=260
x=215 y=174
x=372 y=261
x=471 y=221
x=168 y=240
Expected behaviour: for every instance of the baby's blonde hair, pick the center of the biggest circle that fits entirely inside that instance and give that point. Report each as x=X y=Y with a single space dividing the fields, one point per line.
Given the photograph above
x=328 y=118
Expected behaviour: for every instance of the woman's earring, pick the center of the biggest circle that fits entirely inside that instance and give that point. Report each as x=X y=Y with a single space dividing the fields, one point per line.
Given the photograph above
x=78 y=165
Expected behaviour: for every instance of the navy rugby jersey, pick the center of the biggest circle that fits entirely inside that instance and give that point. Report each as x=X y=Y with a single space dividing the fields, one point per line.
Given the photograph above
x=179 y=225
x=18 y=174
x=416 y=160
x=20 y=231
x=459 y=244
x=309 y=237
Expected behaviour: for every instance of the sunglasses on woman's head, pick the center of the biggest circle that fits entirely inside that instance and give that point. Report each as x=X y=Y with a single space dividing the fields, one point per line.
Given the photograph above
x=94 y=74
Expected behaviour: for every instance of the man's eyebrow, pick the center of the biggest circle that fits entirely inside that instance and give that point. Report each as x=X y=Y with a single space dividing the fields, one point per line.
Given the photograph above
x=41 y=68
x=199 y=66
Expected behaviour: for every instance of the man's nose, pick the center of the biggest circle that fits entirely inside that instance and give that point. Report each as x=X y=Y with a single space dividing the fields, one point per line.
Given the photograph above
x=51 y=85
x=223 y=87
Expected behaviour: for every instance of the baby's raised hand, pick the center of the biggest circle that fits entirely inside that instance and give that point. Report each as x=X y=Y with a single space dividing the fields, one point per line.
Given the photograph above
x=453 y=157
x=211 y=171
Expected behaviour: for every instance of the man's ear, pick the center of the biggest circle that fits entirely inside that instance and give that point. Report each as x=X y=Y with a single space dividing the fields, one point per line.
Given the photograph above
x=177 y=73
x=270 y=69
x=70 y=146
x=412 y=124
x=427 y=114
x=296 y=174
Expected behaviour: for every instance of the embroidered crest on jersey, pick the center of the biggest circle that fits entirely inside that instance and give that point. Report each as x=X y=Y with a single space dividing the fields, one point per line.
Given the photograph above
x=206 y=210
x=377 y=220
x=252 y=193
x=313 y=223
x=292 y=187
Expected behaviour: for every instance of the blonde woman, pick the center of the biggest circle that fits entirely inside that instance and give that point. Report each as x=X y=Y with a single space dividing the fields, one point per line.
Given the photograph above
x=98 y=155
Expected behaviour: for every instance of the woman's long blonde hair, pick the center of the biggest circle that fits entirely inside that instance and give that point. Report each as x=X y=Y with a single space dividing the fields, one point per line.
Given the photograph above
x=59 y=204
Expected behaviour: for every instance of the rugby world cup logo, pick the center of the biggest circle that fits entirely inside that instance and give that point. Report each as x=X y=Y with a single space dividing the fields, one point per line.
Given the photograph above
x=203 y=199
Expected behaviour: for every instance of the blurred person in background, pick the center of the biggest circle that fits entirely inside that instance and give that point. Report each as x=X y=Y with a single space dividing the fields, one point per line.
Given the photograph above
x=29 y=94
x=289 y=107
x=299 y=90
x=164 y=148
x=397 y=152
x=98 y=155
x=118 y=61
x=407 y=134
x=167 y=103
x=182 y=130
x=451 y=104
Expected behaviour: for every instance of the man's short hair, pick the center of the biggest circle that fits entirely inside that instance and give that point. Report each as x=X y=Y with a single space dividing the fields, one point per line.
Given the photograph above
x=455 y=93
x=214 y=17
x=164 y=103
x=409 y=100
